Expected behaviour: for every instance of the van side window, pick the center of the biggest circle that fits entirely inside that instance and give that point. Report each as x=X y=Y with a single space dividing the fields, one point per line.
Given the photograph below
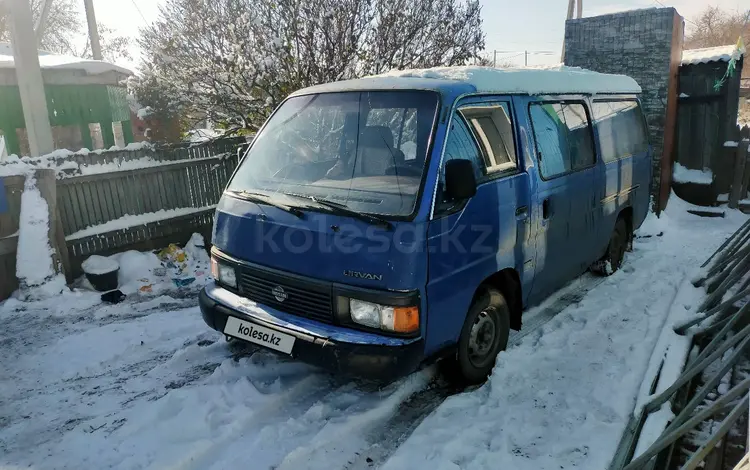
x=621 y=127
x=563 y=137
x=460 y=145
x=493 y=129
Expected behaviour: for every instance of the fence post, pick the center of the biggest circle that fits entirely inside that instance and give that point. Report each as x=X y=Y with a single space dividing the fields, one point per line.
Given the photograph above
x=739 y=175
x=745 y=147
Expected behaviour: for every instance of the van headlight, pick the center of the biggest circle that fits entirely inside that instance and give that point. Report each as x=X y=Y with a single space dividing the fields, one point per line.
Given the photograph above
x=223 y=273
x=384 y=317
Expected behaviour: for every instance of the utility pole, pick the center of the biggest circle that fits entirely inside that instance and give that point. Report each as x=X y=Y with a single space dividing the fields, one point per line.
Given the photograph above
x=525 y=58
x=96 y=48
x=572 y=4
x=29 y=77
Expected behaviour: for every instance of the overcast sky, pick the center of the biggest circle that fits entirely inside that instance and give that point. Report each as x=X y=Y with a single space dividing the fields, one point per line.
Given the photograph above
x=512 y=26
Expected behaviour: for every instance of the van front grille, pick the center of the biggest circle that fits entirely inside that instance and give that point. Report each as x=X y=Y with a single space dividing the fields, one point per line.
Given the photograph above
x=288 y=293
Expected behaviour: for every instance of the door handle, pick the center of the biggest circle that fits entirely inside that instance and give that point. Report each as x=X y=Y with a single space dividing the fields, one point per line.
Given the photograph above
x=522 y=212
x=546 y=210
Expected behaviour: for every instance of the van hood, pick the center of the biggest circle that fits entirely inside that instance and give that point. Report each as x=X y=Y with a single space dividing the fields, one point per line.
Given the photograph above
x=322 y=245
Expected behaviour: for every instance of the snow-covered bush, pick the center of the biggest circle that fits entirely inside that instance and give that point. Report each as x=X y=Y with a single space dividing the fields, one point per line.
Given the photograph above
x=233 y=61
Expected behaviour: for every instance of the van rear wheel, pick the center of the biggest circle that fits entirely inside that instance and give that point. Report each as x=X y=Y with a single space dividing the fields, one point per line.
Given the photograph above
x=618 y=245
x=484 y=334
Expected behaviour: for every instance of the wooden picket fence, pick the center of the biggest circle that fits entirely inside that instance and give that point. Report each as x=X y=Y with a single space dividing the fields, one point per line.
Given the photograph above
x=187 y=185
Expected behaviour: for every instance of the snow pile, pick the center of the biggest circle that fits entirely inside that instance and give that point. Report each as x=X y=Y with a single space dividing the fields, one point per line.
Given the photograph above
x=731 y=144
x=711 y=54
x=65 y=62
x=96 y=264
x=63 y=162
x=34 y=258
x=562 y=398
x=127 y=221
x=14 y=165
x=118 y=165
x=143 y=113
x=680 y=174
x=560 y=79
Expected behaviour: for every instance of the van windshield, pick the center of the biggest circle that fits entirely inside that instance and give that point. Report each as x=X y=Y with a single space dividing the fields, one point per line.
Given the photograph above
x=365 y=150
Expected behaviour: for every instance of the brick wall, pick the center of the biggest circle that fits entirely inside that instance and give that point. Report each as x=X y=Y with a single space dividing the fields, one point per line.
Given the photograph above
x=641 y=44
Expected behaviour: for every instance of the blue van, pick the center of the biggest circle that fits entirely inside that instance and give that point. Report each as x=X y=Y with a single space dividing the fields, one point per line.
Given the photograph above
x=379 y=223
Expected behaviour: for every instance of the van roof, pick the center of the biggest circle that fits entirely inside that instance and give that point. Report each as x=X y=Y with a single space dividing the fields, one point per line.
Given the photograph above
x=469 y=79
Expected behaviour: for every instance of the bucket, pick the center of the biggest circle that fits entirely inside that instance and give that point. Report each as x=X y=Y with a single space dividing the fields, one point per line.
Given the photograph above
x=101 y=272
x=104 y=282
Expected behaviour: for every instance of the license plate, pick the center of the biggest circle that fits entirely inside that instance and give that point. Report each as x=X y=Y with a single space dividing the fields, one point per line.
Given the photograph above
x=259 y=335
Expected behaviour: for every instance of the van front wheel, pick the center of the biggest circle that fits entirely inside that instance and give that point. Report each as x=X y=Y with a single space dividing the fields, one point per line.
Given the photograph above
x=483 y=336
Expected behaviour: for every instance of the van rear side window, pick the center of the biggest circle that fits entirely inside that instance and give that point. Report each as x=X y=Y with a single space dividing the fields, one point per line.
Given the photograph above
x=563 y=138
x=621 y=127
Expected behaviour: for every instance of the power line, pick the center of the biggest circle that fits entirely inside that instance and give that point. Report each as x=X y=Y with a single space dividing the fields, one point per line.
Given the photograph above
x=139 y=12
x=686 y=19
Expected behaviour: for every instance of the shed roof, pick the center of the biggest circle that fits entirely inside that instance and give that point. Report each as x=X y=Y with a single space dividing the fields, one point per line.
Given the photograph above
x=48 y=60
x=711 y=54
x=528 y=81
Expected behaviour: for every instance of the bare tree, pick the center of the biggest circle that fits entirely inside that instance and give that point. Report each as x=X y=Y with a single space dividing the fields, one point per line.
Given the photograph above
x=233 y=61
x=64 y=31
x=717 y=27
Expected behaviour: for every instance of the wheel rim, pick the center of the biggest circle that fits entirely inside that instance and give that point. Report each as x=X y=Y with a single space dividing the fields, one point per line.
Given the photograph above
x=482 y=339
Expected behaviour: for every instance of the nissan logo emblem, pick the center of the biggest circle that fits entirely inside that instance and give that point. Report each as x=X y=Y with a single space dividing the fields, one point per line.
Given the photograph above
x=279 y=293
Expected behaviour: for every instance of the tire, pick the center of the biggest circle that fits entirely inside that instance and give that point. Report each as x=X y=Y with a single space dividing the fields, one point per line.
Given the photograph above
x=484 y=334
x=619 y=242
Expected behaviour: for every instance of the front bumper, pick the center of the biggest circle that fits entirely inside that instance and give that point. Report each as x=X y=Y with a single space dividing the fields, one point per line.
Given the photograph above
x=334 y=348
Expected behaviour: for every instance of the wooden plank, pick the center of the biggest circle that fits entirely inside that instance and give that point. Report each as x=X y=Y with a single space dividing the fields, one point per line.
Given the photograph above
x=62 y=208
x=746 y=178
x=184 y=188
x=162 y=191
x=741 y=156
x=74 y=218
x=120 y=174
x=83 y=211
x=103 y=201
x=122 y=199
x=93 y=200
x=200 y=182
x=115 y=198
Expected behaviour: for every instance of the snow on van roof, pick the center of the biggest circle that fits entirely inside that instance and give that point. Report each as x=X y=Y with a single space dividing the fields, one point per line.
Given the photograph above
x=530 y=80
x=711 y=54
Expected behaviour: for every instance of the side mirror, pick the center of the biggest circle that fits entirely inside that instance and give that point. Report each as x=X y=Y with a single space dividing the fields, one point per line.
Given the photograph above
x=460 y=182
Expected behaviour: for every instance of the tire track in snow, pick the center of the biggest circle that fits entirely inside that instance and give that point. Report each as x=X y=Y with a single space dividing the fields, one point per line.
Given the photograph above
x=307 y=390
x=337 y=441
x=384 y=440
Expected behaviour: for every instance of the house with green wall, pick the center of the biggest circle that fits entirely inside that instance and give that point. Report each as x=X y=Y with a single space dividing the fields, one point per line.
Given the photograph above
x=86 y=100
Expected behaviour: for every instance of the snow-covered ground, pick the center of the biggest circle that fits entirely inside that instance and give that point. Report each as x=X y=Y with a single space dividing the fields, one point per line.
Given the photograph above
x=145 y=384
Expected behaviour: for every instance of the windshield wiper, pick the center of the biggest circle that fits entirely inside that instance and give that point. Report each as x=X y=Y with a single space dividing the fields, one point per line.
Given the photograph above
x=341 y=209
x=260 y=198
